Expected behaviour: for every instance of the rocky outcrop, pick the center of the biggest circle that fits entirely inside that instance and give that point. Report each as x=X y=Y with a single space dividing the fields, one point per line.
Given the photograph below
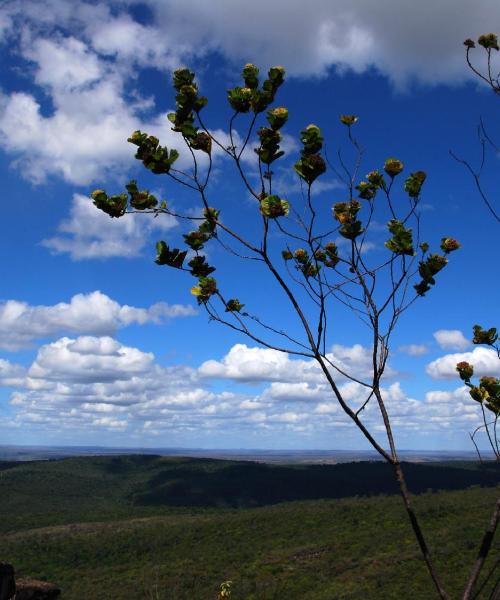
x=24 y=588
x=31 y=589
x=7 y=582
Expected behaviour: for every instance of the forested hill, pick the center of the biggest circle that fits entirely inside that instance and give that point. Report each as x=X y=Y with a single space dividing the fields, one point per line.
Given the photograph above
x=141 y=480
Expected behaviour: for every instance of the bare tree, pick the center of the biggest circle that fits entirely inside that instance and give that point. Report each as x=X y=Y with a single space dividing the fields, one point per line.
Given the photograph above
x=317 y=261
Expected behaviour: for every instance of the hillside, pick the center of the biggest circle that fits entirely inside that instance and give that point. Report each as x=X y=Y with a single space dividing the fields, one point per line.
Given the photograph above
x=140 y=527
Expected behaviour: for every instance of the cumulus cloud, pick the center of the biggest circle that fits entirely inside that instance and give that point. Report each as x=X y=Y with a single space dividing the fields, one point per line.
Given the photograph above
x=11 y=375
x=85 y=57
x=87 y=384
x=485 y=361
x=246 y=364
x=340 y=33
x=88 y=359
x=451 y=339
x=254 y=365
x=93 y=313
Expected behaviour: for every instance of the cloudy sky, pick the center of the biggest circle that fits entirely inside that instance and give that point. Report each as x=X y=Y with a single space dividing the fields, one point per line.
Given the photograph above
x=98 y=345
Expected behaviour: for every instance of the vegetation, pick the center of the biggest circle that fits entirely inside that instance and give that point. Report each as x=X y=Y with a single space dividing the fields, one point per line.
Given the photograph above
x=490 y=75
x=87 y=529
x=295 y=247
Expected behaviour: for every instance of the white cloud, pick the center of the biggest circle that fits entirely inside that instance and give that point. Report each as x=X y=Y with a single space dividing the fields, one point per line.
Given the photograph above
x=290 y=392
x=421 y=44
x=254 y=365
x=484 y=360
x=85 y=57
x=89 y=233
x=89 y=359
x=11 y=375
x=81 y=386
x=451 y=339
x=64 y=65
x=414 y=349
x=93 y=313
x=246 y=364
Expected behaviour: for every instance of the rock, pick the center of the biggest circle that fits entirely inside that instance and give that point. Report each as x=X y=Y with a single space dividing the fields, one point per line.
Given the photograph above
x=32 y=589
x=7 y=582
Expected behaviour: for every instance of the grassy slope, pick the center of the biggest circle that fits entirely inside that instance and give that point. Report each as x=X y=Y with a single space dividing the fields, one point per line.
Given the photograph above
x=315 y=550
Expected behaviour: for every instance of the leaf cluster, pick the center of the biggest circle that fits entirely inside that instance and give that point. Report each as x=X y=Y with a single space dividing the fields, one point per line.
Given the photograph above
x=250 y=97
x=188 y=102
x=346 y=215
x=158 y=159
x=116 y=206
x=311 y=164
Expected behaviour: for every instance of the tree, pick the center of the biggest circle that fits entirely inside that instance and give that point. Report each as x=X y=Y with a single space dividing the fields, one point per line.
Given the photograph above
x=487 y=393
x=297 y=244
x=491 y=77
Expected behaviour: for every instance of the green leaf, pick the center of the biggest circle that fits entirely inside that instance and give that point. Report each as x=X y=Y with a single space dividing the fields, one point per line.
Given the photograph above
x=414 y=182
x=114 y=206
x=402 y=239
x=484 y=336
x=172 y=258
x=234 y=305
x=199 y=266
x=273 y=207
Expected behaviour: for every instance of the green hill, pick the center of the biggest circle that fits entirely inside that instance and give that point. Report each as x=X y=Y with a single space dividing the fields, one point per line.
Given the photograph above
x=137 y=527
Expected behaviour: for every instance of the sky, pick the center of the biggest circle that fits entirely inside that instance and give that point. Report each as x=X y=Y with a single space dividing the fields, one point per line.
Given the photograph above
x=100 y=346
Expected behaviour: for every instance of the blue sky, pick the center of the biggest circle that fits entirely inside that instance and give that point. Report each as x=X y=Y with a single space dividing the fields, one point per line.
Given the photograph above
x=98 y=345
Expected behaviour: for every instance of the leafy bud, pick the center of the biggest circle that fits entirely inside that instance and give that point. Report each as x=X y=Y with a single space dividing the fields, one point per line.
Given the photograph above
x=286 y=254
x=234 y=305
x=172 y=258
x=140 y=200
x=488 y=41
x=345 y=213
x=436 y=263
x=414 y=182
x=367 y=191
x=393 y=167
x=310 y=167
x=320 y=255
x=273 y=207
x=276 y=76
x=491 y=385
x=196 y=239
x=449 y=245
x=376 y=178
x=465 y=371
x=484 y=336
x=202 y=141
x=301 y=256
x=114 y=206
x=468 y=43
x=182 y=77
x=277 y=117
x=240 y=99
x=311 y=139
x=199 y=267
x=332 y=254
x=250 y=76
x=310 y=270
x=207 y=287
x=348 y=119
x=402 y=238
x=477 y=393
